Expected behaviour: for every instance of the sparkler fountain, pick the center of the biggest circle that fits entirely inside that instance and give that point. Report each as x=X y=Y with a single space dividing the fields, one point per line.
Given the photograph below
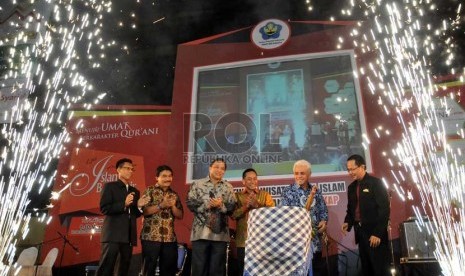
x=47 y=48
x=406 y=37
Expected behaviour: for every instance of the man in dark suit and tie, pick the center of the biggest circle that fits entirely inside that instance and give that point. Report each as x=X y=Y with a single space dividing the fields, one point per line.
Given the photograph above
x=368 y=212
x=121 y=205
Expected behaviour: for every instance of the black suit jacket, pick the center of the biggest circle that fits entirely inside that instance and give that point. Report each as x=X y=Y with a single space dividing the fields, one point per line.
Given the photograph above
x=120 y=223
x=374 y=207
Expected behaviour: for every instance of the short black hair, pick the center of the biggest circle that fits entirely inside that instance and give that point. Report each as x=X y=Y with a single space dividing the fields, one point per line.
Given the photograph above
x=121 y=162
x=248 y=170
x=219 y=159
x=359 y=160
x=163 y=168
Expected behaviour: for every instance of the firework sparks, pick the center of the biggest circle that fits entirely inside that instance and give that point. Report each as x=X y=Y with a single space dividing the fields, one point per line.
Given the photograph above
x=405 y=38
x=45 y=51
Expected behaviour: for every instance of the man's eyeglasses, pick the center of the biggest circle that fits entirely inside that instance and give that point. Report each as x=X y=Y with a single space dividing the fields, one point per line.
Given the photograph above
x=129 y=168
x=352 y=169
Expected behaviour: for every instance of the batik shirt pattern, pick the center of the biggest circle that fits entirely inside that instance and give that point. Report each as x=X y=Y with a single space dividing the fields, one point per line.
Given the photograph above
x=198 y=200
x=159 y=227
x=294 y=195
x=241 y=215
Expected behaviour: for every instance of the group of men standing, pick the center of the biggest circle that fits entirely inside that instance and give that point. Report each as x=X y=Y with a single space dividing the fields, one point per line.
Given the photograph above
x=212 y=200
x=122 y=205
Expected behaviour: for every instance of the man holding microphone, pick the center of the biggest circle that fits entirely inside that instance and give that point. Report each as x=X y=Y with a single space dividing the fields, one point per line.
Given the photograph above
x=121 y=205
x=211 y=200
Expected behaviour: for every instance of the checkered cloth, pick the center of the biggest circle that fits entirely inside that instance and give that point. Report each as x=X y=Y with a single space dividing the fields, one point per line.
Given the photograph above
x=279 y=242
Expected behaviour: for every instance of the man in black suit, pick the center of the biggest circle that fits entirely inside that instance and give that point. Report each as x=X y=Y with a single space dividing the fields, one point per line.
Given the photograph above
x=368 y=212
x=119 y=233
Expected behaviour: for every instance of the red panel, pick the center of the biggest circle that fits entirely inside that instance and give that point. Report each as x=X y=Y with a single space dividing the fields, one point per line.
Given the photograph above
x=84 y=167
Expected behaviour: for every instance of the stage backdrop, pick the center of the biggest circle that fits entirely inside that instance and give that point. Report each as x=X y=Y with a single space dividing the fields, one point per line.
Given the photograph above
x=255 y=107
x=98 y=139
x=266 y=108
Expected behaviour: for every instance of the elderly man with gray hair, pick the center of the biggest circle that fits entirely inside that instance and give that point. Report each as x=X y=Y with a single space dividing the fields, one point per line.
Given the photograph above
x=304 y=194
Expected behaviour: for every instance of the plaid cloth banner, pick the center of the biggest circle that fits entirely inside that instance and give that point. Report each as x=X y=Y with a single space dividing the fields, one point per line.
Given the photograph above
x=279 y=242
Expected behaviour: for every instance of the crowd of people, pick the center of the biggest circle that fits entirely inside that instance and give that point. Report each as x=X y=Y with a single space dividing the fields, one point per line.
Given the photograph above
x=213 y=201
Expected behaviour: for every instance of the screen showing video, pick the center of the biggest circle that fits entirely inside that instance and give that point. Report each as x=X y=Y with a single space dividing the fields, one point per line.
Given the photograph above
x=267 y=114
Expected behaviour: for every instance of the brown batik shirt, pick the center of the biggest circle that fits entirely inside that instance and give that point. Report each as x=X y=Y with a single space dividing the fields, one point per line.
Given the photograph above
x=159 y=227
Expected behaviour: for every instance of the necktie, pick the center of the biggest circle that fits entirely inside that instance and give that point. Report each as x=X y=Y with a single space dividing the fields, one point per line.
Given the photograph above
x=129 y=207
x=357 y=208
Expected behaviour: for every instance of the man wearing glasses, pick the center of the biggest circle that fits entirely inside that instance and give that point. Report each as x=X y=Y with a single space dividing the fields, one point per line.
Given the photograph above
x=368 y=212
x=211 y=200
x=121 y=205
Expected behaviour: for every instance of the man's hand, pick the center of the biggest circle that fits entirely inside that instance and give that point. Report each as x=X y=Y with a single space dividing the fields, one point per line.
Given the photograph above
x=252 y=201
x=344 y=228
x=374 y=241
x=322 y=226
x=314 y=190
x=129 y=199
x=143 y=201
x=216 y=202
x=167 y=201
x=170 y=201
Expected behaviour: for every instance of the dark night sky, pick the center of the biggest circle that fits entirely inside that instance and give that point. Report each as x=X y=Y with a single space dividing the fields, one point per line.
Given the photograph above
x=145 y=74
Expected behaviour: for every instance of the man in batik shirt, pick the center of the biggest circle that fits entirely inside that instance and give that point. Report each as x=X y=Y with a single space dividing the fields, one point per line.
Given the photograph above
x=158 y=237
x=248 y=199
x=211 y=200
x=300 y=194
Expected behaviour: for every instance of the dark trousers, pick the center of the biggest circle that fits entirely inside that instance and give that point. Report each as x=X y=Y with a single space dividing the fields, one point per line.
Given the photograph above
x=208 y=258
x=166 y=253
x=110 y=254
x=318 y=264
x=375 y=260
x=240 y=260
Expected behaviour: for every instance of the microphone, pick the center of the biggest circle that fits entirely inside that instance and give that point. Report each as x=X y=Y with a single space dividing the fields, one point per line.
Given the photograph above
x=67 y=241
x=74 y=248
x=212 y=195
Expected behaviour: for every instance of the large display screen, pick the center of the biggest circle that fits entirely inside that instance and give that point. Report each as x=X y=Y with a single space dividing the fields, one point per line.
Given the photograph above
x=268 y=113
